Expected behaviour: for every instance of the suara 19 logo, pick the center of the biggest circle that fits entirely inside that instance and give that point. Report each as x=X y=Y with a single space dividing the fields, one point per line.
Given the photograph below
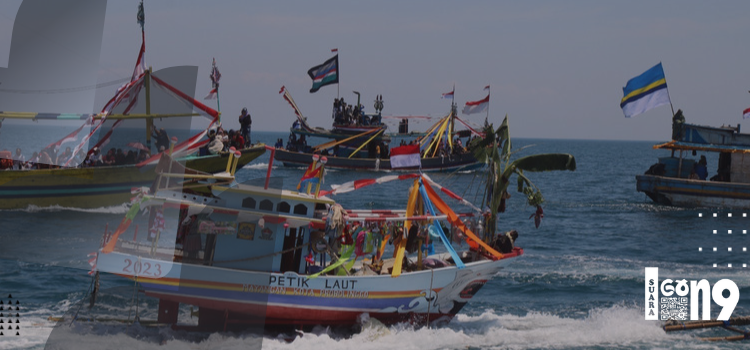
x=677 y=296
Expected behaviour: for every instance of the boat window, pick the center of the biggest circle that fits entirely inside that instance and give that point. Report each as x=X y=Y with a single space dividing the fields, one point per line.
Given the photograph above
x=266 y=205
x=300 y=209
x=283 y=207
x=320 y=206
x=248 y=202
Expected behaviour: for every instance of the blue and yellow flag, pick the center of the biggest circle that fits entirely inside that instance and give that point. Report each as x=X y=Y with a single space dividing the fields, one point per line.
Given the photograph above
x=644 y=92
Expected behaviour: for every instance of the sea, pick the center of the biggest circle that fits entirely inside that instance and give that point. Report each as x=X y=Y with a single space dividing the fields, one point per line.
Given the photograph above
x=579 y=285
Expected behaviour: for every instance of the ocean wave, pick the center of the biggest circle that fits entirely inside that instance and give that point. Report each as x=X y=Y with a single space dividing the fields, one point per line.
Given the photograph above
x=261 y=166
x=619 y=326
x=612 y=327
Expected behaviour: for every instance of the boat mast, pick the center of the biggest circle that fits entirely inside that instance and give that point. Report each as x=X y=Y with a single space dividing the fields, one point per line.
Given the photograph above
x=149 y=119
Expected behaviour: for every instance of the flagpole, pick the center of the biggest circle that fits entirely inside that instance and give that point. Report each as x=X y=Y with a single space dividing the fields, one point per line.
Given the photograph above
x=488 y=103
x=218 y=103
x=670 y=97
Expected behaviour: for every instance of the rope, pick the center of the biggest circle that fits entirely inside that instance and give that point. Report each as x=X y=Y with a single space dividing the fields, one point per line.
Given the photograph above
x=66 y=90
x=80 y=305
x=429 y=301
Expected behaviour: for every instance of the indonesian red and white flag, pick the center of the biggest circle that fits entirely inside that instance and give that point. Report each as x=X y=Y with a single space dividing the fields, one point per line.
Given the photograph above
x=140 y=64
x=477 y=106
x=746 y=113
x=448 y=94
x=405 y=156
x=212 y=95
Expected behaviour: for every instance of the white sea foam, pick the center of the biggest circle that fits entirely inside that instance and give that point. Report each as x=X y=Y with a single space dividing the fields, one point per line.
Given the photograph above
x=258 y=166
x=612 y=327
x=617 y=326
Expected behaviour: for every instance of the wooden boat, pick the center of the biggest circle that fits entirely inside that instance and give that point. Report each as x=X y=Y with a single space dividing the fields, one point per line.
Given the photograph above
x=254 y=255
x=94 y=187
x=681 y=180
x=448 y=163
x=100 y=186
x=354 y=147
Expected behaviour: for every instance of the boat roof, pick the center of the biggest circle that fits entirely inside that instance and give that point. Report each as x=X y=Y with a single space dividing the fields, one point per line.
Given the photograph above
x=706 y=147
x=284 y=194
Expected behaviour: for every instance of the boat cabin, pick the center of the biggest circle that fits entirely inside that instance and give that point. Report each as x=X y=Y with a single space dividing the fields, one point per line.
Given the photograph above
x=247 y=228
x=732 y=148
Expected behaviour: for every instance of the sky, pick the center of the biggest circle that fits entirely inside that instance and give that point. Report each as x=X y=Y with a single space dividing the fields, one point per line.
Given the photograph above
x=555 y=68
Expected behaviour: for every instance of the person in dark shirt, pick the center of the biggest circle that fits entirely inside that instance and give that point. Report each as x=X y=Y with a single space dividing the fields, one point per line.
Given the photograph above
x=504 y=242
x=162 y=139
x=246 y=121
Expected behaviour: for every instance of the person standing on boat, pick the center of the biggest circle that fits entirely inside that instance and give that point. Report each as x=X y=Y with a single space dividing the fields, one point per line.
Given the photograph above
x=162 y=139
x=701 y=168
x=245 y=123
x=18 y=159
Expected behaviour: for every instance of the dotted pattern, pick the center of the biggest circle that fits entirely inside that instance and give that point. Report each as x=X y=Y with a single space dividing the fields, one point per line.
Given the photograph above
x=742 y=249
x=10 y=317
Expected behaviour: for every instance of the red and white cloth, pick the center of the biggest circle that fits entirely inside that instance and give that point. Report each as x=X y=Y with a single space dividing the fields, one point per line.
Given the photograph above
x=213 y=94
x=472 y=107
x=405 y=156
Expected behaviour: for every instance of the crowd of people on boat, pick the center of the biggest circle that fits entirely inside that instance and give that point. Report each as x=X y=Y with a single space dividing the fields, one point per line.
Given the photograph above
x=376 y=150
x=347 y=115
x=221 y=140
x=295 y=144
x=52 y=158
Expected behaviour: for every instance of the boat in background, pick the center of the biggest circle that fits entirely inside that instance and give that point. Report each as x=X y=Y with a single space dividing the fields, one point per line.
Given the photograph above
x=68 y=184
x=76 y=186
x=366 y=147
x=95 y=187
x=682 y=181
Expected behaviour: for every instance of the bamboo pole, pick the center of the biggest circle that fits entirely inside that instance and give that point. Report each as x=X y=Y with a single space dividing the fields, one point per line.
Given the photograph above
x=334 y=143
x=366 y=142
x=431 y=142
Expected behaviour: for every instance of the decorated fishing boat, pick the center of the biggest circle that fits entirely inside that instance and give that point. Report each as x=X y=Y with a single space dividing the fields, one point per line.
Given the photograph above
x=366 y=146
x=248 y=254
x=683 y=178
x=81 y=179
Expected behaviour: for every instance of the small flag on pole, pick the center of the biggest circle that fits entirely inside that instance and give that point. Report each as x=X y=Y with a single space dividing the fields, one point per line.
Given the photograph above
x=472 y=107
x=212 y=95
x=335 y=50
x=449 y=94
x=141 y=15
x=644 y=92
x=487 y=88
x=746 y=113
x=215 y=76
x=325 y=74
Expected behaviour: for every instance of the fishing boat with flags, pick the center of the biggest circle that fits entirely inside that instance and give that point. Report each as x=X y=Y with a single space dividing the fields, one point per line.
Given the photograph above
x=249 y=254
x=683 y=178
x=359 y=140
x=79 y=178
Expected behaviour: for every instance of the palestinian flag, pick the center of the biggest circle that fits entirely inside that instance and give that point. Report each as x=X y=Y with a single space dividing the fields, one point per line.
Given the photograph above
x=325 y=74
